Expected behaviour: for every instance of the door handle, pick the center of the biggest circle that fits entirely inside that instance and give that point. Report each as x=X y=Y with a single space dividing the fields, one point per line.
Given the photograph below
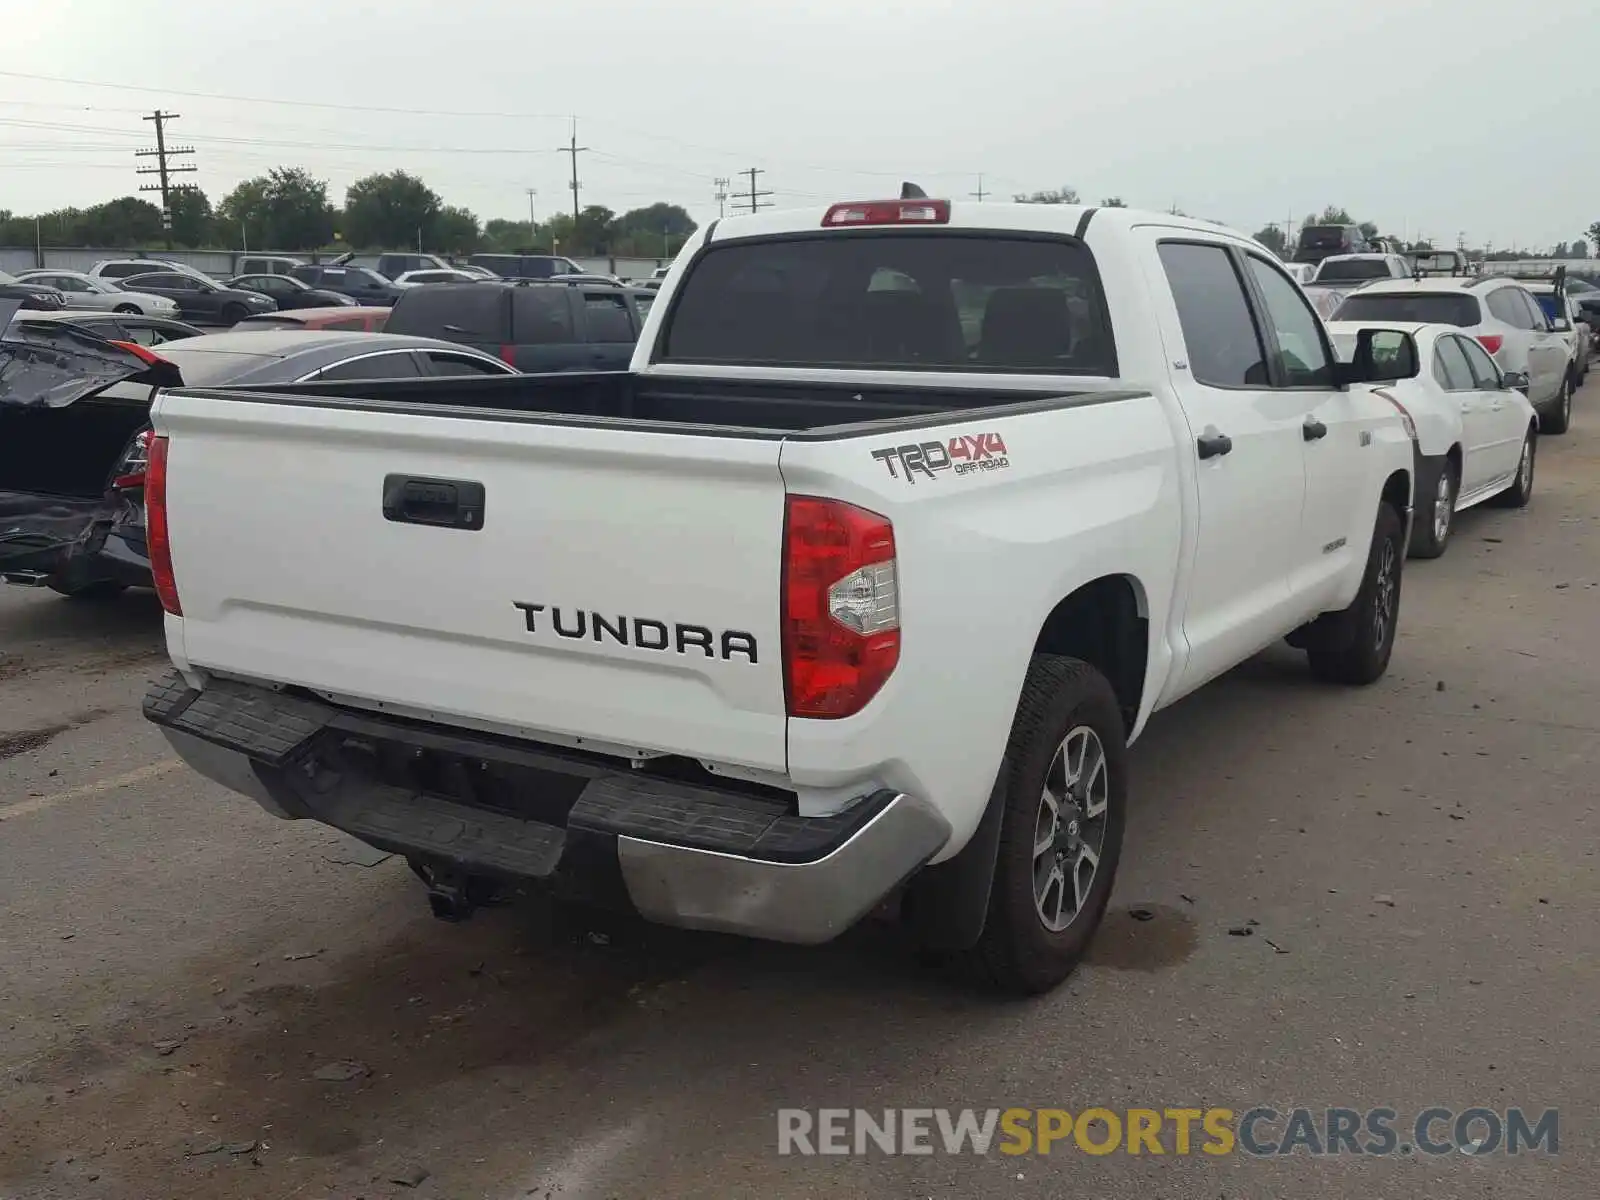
x=1313 y=429
x=1213 y=444
x=450 y=503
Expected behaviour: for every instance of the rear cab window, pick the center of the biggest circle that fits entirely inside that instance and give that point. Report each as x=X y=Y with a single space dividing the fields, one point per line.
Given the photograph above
x=926 y=301
x=1424 y=308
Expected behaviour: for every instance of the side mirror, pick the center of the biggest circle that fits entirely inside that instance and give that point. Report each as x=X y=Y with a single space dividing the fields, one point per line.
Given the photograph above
x=1381 y=356
x=1514 y=380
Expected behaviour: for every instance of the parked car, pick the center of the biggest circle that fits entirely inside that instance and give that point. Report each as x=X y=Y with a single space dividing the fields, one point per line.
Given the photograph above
x=550 y=326
x=392 y=266
x=361 y=284
x=1568 y=319
x=204 y=301
x=75 y=432
x=126 y=268
x=289 y=292
x=447 y=275
x=1476 y=433
x=526 y=266
x=1317 y=242
x=1496 y=310
x=475 y=272
x=358 y=317
x=1336 y=276
x=266 y=264
x=84 y=291
x=698 y=638
x=120 y=327
x=37 y=297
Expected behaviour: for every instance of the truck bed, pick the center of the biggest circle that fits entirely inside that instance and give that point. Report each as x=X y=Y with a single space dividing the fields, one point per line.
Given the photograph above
x=694 y=405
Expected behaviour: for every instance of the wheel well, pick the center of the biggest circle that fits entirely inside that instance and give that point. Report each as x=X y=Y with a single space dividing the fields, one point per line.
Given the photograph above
x=1397 y=491
x=1104 y=623
x=1454 y=456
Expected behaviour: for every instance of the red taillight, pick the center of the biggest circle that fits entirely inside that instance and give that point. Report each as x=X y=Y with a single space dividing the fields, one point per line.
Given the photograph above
x=157 y=541
x=142 y=353
x=890 y=212
x=135 y=463
x=841 y=606
x=1491 y=342
x=507 y=354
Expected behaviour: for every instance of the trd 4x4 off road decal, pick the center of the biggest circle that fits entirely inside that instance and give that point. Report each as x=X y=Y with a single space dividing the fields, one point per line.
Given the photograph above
x=964 y=454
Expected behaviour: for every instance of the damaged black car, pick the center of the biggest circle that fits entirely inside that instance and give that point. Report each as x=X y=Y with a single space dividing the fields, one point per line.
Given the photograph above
x=74 y=425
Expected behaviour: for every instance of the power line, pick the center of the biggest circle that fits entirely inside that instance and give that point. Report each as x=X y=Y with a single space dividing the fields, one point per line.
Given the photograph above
x=164 y=169
x=574 y=150
x=753 y=198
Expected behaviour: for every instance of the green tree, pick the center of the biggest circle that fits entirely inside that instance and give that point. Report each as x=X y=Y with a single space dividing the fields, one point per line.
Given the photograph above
x=1061 y=195
x=390 y=210
x=1559 y=250
x=1332 y=215
x=593 y=231
x=191 y=218
x=1594 y=236
x=1271 y=237
x=1580 y=248
x=455 y=231
x=126 y=221
x=285 y=209
x=1114 y=202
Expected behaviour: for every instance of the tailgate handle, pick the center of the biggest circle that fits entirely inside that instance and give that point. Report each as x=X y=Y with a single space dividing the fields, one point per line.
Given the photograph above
x=416 y=500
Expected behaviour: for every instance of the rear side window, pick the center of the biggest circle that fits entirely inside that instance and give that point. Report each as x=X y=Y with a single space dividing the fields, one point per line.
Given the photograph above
x=607 y=318
x=1426 y=308
x=453 y=313
x=1220 y=338
x=541 y=316
x=1450 y=366
x=1505 y=304
x=906 y=301
x=307 y=274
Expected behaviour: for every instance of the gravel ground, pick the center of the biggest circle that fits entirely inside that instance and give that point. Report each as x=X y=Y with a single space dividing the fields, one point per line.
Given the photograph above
x=200 y=1001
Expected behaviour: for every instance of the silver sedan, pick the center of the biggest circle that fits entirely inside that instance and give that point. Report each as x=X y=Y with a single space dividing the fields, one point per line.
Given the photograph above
x=101 y=295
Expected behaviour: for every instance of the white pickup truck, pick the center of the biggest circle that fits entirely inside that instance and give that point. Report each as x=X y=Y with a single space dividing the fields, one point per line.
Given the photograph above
x=857 y=585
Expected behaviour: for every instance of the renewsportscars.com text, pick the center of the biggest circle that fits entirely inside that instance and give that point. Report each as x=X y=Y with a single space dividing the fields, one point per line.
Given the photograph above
x=1260 y=1132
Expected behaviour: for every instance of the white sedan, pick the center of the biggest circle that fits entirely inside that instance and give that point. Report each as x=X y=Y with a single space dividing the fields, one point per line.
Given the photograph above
x=1476 y=433
x=101 y=295
x=410 y=279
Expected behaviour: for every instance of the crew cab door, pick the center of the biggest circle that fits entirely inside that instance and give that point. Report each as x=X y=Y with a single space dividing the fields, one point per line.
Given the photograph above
x=1249 y=468
x=1335 y=529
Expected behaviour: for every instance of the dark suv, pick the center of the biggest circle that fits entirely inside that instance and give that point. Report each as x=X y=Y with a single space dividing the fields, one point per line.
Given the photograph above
x=526 y=266
x=533 y=326
x=361 y=284
x=1318 y=242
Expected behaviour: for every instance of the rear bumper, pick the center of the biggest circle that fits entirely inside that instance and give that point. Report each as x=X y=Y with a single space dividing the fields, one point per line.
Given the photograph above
x=683 y=854
x=70 y=543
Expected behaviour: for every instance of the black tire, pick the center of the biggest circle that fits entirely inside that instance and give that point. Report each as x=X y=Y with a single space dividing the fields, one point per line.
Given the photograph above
x=1017 y=953
x=1521 y=489
x=1559 y=417
x=234 y=313
x=128 y=310
x=1373 y=614
x=103 y=590
x=1427 y=539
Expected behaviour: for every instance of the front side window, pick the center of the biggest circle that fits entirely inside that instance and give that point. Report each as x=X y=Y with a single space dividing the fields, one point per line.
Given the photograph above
x=990 y=303
x=1301 y=352
x=1484 y=373
x=1219 y=334
x=395 y=365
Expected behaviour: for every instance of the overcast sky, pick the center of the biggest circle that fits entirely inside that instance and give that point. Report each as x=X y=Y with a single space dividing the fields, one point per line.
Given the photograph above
x=1472 y=116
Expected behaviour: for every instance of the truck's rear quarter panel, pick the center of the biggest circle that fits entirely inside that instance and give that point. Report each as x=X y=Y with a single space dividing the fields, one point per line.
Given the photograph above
x=1087 y=490
x=288 y=571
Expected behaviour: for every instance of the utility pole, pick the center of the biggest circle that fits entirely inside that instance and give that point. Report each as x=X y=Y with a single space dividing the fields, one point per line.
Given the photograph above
x=573 y=149
x=754 y=198
x=161 y=154
x=532 y=193
x=721 y=196
x=980 y=193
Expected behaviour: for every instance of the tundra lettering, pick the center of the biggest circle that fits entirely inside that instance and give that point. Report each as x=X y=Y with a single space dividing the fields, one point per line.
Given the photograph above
x=646 y=634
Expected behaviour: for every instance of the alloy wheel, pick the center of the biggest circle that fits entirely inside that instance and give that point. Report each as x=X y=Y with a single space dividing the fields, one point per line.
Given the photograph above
x=1444 y=505
x=1384 y=598
x=1070 y=830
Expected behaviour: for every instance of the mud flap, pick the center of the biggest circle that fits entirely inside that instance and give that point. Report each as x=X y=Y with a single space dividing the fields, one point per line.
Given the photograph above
x=945 y=905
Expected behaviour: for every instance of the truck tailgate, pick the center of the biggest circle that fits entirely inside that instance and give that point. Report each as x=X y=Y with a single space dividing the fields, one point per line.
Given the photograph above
x=612 y=585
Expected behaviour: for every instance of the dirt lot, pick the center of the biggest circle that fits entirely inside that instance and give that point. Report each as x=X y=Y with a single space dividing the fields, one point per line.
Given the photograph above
x=200 y=1001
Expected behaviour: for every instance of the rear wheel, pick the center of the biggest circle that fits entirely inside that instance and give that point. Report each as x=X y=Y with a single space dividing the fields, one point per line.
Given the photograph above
x=234 y=313
x=1436 y=519
x=1374 y=613
x=127 y=310
x=1521 y=489
x=1061 y=829
x=1559 y=417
